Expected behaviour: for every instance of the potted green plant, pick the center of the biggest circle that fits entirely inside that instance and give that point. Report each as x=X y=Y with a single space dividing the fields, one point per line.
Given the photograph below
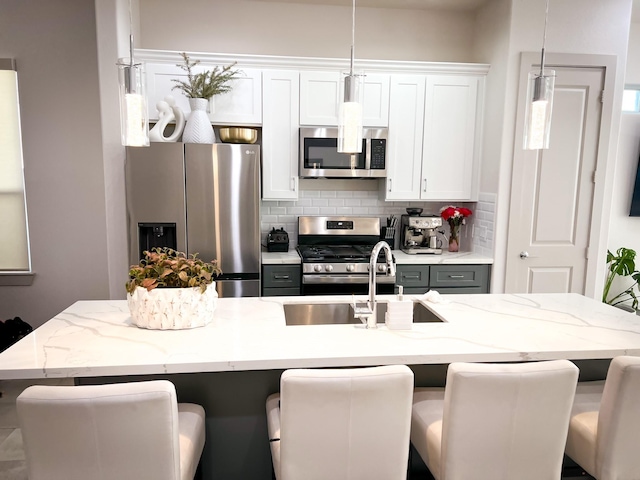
x=622 y=264
x=199 y=88
x=170 y=290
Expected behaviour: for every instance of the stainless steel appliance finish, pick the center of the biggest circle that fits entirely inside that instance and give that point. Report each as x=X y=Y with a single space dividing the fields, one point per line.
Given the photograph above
x=223 y=212
x=216 y=201
x=149 y=171
x=342 y=313
x=335 y=254
x=319 y=155
x=418 y=234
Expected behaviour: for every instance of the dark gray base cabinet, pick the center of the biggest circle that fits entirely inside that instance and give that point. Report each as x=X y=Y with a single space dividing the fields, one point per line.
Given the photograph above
x=281 y=280
x=417 y=279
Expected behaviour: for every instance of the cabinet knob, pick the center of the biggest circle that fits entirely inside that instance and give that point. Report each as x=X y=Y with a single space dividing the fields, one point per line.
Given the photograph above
x=524 y=255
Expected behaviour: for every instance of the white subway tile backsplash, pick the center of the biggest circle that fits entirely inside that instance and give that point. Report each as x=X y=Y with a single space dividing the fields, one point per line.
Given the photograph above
x=344 y=194
x=368 y=203
x=360 y=211
x=327 y=210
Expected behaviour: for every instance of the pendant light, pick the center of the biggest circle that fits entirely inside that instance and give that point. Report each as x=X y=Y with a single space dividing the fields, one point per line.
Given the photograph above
x=539 y=101
x=350 y=110
x=134 y=125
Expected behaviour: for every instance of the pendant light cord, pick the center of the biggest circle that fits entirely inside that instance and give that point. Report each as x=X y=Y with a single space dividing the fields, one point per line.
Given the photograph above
x=353 y=36
x=130 y=36
x=544 y=37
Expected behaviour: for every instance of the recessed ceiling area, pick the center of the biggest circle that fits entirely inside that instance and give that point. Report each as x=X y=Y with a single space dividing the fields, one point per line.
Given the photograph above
x=421 y=4
x=404 y=4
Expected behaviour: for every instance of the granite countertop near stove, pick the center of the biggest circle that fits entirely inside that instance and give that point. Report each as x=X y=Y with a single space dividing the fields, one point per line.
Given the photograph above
x=457 y=258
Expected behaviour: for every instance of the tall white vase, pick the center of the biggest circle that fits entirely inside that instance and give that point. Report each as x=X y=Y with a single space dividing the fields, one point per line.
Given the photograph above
x=198 y=128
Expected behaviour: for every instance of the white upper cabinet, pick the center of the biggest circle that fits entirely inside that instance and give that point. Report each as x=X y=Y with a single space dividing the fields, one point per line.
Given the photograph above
x=280 y=89
x=241 y=106
x=434 y=141
x=375 y=101
x=319 y=96
x=450 y=145
x=321 y=92
x=404 y=144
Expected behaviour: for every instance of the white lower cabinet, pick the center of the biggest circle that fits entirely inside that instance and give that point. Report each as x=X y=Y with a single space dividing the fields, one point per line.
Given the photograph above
x=280 y=126
x=434 y=141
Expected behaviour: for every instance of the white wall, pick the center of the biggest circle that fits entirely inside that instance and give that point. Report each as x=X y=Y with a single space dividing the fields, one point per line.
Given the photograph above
x=492 y=46
x=54 y=44
x=578 y=27
x=624 y=231
x=273 y=28
x=633 y=58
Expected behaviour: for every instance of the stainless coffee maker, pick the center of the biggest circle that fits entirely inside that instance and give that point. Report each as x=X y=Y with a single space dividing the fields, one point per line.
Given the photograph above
x=418 y=234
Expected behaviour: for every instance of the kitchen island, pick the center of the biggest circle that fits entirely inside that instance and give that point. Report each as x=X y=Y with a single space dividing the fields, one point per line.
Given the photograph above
x=232 y=364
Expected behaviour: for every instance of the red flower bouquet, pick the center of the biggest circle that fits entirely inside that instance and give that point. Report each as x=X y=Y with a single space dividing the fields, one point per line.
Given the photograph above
x=455 y=217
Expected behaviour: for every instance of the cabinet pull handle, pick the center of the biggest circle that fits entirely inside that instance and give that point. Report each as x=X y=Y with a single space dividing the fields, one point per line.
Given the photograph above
x=390 y=183
x=281 y=277
x=456 y=276
x=424 y=182
x=412 y=277
x=293 y=183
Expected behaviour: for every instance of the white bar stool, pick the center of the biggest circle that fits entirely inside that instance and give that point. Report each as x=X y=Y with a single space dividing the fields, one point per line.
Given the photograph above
x=495 y=421
x=341 y=424
x=604 y=431
x=112 y=432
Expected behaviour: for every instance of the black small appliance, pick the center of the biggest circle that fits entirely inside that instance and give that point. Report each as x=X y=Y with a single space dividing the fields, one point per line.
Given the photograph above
x=277 y=240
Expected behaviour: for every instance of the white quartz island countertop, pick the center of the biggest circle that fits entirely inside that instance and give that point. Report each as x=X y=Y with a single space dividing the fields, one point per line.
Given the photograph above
x=96 y=338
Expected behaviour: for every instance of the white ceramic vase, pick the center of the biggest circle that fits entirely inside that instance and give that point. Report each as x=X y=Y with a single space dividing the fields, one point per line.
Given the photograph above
x=198 y=128
x=172 y=308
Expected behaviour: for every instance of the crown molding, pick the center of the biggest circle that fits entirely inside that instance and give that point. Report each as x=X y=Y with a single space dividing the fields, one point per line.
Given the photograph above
x=313 y=63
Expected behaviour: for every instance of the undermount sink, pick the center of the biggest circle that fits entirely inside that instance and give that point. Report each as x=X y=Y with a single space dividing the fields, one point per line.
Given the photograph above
x=342 y=313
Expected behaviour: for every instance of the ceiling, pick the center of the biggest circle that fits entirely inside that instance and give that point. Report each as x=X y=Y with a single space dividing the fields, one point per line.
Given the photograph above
x=410 y=4
x=422 y=4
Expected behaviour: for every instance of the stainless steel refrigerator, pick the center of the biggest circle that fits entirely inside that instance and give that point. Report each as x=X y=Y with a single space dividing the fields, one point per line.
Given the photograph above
x=199 y=198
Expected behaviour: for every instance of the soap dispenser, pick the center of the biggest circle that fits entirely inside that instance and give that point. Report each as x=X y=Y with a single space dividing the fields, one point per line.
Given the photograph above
x=399 y=315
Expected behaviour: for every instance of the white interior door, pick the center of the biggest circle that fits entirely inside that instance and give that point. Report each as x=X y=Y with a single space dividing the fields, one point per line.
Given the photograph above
x=553 y=190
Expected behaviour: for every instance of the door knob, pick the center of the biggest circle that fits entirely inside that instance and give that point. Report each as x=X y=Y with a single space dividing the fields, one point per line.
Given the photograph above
x=524 y=255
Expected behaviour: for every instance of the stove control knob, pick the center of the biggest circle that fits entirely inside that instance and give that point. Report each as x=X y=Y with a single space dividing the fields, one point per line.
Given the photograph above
x=328 y=268
x=317 y=268
x=382 y=267
x=351 y=267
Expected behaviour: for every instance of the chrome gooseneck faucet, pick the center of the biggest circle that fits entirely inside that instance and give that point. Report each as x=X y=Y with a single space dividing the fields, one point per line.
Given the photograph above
x=369 y=312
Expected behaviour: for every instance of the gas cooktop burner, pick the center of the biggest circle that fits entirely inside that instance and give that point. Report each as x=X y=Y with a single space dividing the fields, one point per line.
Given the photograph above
x=335 y=253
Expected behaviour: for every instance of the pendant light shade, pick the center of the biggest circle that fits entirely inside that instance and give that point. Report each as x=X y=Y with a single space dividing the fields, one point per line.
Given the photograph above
x=350 y=117
x=134 y=125
x=350 y=110
x=539 y=105
x=540 y=88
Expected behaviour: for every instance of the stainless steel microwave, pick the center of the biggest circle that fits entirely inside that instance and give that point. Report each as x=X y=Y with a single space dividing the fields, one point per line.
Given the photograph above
x=319 y=155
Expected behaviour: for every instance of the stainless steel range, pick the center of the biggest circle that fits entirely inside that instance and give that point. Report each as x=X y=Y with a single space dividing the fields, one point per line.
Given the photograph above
x=335 y=254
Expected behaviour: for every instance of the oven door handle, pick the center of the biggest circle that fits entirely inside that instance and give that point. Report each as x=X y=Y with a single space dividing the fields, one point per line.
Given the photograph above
x=319 y=279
